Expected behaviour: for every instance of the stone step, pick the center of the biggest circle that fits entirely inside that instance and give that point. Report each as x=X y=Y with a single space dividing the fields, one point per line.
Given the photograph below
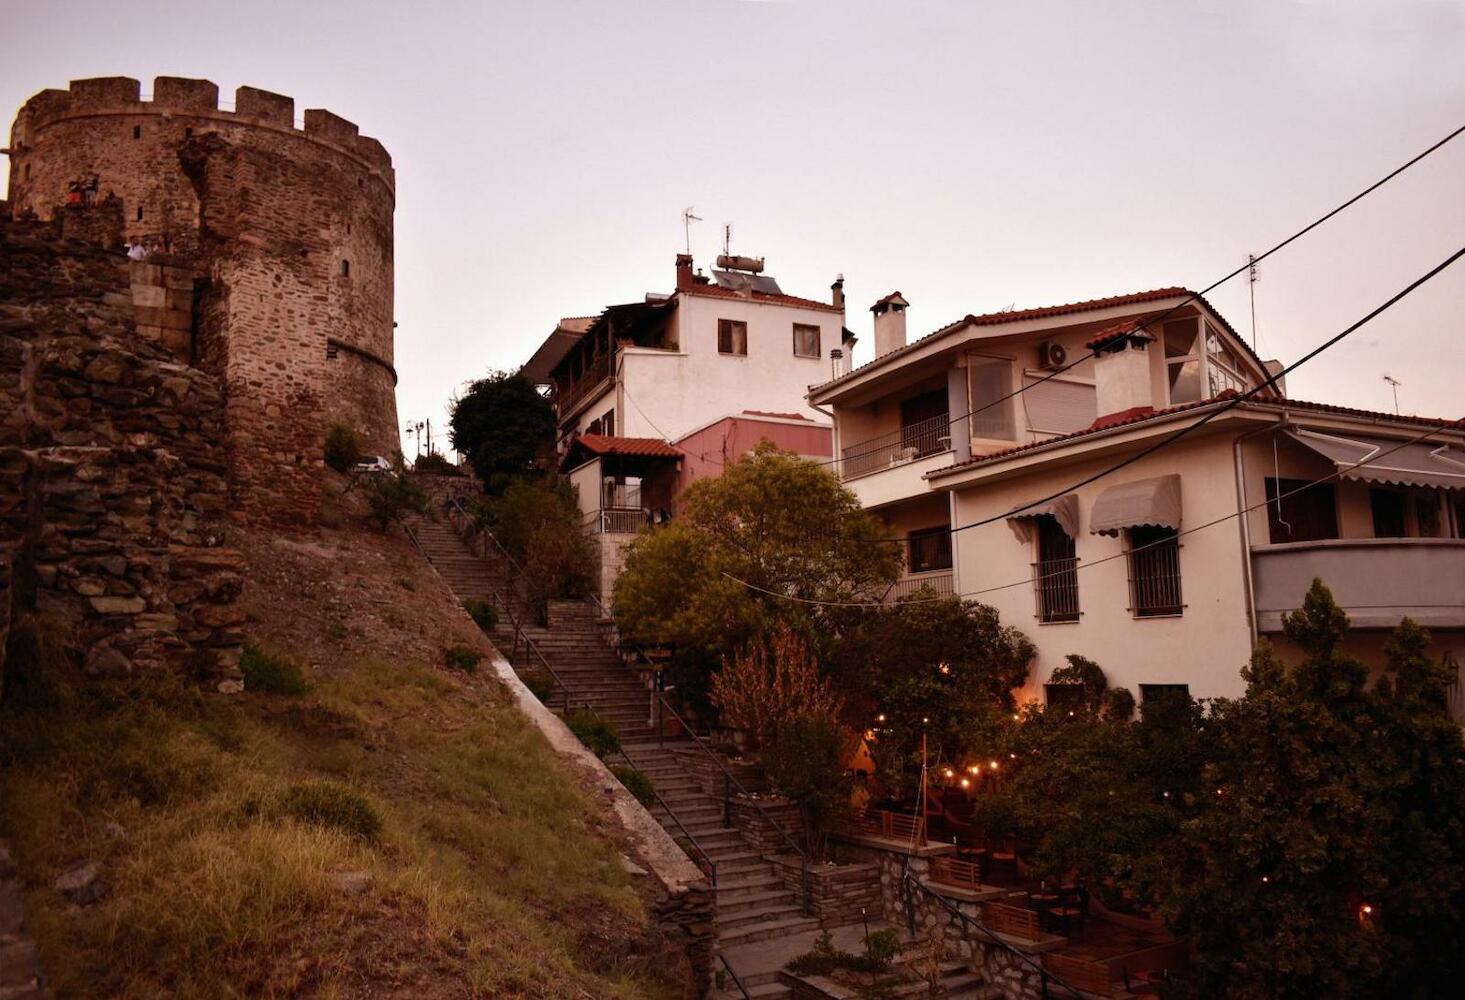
x=765 y=930
x=739 y=901
x=736 y=917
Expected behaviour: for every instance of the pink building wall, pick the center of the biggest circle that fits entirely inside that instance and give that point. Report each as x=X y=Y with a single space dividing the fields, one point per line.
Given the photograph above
x=706 y=451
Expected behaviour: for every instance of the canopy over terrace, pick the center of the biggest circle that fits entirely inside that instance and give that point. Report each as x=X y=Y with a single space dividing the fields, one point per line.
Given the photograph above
x=622 y=474
x=1389 y=462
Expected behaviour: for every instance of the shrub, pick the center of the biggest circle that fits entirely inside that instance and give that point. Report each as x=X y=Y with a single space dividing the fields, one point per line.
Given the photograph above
x=391 y=496
x=636 y=783
x=825 y=958
x=485 y=614
x=433 y=463
x=343 y=448
x=539 y=683
x=271 y=671
x=882 y=947
x=596 y=733
x=461 y=658
x=332 y=805
x=765 y=686
x=805 y=760
x=538 y=522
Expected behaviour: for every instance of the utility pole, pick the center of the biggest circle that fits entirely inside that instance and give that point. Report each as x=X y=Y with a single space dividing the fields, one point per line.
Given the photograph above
x=1251 y=277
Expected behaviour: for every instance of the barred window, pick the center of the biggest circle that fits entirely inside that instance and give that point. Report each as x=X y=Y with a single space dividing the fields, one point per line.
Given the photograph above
x=1154 y=572
x=930 y=549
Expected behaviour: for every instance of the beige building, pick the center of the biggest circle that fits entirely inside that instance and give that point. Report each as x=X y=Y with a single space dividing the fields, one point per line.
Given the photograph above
x=1148 y=570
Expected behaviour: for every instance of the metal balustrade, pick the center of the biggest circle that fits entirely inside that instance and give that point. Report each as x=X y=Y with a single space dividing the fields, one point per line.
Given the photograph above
x=917 y=440
x=1055 y=586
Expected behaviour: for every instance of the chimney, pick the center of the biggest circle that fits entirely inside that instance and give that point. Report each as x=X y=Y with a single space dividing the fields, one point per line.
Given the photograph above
x=1122 y=372
x=684 y=271
x=836 y=290
x=889 y=323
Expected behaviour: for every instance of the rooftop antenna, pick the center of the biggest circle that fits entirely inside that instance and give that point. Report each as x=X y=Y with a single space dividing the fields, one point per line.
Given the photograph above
x=687 y=219
x=727 y=239
x=1394 y=384
x=1251 y=276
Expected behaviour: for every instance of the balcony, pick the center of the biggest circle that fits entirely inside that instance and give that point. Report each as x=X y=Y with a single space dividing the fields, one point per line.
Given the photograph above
x=912 y=442
x=591 y=379
x=1377 y=581
x=939 y=581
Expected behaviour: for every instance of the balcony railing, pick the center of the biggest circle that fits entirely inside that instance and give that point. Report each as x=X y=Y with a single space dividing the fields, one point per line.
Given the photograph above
x=621 y=497
x=607 y=521
x=925 y=437
x=941 y=583
x=1055 y=585
x=577 y=390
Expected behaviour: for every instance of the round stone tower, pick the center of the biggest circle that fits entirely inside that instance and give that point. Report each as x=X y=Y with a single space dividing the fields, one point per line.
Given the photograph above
x=289 y=228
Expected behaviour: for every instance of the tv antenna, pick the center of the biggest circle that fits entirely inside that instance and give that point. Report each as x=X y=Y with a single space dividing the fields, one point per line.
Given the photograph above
x=1251 y=276
x=1394 y=385
x=687 y=219
x=727 y=239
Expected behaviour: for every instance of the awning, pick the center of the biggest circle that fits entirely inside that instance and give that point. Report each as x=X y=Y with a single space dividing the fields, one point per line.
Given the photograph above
x=1386 y=460
x=1064 y=510
x=1131 y=505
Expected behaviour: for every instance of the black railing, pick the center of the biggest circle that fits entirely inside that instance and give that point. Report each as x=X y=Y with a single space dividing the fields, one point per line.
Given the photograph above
x=1055 y=583
x=1045 y=977
x=736 y=981
x=913 y=441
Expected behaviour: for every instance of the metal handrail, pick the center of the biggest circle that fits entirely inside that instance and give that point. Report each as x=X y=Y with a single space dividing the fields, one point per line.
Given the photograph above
x=736 y=981
x=1044 y=974
x=728 y=782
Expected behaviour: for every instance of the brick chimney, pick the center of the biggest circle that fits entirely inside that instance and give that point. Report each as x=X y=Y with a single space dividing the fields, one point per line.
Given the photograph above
x=684 y=272
x=836 y=293
x=889 y=323
x=1122 y=372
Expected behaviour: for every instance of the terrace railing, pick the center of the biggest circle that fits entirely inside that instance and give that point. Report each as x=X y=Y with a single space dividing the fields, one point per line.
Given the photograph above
x=941 y=583
x=917 y=440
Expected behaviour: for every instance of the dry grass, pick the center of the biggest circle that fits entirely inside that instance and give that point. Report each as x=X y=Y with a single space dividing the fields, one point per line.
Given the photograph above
x=492 y=875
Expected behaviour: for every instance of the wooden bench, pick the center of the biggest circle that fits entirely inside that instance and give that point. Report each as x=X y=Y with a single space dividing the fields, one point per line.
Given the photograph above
x=962 y=874
x=1014 y=921
x=1091 y=977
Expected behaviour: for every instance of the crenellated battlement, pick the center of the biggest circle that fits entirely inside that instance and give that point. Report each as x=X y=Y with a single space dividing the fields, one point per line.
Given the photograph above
x=174 y=96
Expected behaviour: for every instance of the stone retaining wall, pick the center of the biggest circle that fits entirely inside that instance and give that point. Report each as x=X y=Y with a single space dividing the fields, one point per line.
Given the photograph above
x=839 y=894
x=113 y=492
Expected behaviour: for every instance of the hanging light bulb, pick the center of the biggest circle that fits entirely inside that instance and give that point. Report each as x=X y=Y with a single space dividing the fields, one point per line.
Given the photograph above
x=966 y=783
x=944 y=668
x=880 y=718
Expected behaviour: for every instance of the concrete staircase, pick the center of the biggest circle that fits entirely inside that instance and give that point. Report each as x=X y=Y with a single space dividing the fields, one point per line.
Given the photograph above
x=752 y=903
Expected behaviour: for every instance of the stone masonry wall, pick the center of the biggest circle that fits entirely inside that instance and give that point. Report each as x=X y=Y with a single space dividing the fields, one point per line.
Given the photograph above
x=112 y=480
x=291 y=233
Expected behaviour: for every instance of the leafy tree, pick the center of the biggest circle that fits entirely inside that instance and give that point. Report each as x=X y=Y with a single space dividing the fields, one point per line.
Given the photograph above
x=946 y=668
x=1324 y=856
x=343 y=447
x=538 y=522
x=391 y=496
x=504 y=426
x=772 y=520
x=767 y=686
x=805 y=761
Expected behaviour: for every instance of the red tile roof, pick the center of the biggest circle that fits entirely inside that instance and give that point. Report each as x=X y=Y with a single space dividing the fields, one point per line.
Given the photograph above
x=770 y=413
x=1140 y=414
x=893 y=299
x=601 y=444
x=1117 y=332
x=767 y=298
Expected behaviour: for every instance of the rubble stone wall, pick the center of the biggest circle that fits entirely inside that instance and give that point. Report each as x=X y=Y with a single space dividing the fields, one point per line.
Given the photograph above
x=113 y=494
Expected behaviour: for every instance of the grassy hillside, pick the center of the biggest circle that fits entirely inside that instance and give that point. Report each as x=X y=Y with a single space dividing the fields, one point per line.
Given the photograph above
x=394 y=829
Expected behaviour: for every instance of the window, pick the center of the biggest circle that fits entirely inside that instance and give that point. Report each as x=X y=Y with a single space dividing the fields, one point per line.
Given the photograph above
x=27 y=171
x=806 y=341
x=930 y=549
x=332 y=350
x=1182 y=360
x=1223 y=368
x=345 y=269
x=1070 y=698
x=1056 y=573
x=990 y=381
x=1427 y=514
x=1154 y=572
x=732 y=337
x=1163 y=702
x=1304 y=516
x=1388 y=513
x=137 y=131
x=609 y=423
x=139 y=213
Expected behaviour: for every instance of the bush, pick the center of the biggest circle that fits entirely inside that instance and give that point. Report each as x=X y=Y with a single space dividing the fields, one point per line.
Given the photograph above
x=485 y=614
x=433 y=463
x=461 y=658
x=539 y=683
x=636 y=783
x=881 y=948
x=538 y=522
x=391 y=496
x=805 y=760
x=328 y=804
x=596 y=733
x=271 y=671
x=343 y=448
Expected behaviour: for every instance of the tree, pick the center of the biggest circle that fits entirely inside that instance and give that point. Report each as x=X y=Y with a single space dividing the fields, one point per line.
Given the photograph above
x=538 y=522
x=806 y=763
x=504 y=426
x=945 y=668
x=749 y=546
x=391 y=496
x=1324 y=856
x=767 y=686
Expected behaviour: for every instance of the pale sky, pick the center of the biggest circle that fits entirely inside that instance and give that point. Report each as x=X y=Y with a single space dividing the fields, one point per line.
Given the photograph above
x=974 y=154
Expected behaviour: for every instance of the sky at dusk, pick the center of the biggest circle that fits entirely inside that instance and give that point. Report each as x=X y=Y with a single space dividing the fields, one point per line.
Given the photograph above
x=972 y=154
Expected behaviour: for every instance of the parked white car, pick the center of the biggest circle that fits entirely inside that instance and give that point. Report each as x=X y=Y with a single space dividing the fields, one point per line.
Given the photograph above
x=373 y=464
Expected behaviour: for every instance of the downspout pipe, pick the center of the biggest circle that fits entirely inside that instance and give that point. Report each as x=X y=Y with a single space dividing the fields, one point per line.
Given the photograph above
x=1243 y=518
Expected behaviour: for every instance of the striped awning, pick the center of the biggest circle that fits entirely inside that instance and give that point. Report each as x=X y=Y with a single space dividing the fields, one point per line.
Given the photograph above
x=1131 y=505
x=1063 y=509
x=1389 y=460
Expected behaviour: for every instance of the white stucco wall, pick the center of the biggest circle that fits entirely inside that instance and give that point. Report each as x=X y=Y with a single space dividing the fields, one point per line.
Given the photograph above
x=673 y=393
x=1204 y=647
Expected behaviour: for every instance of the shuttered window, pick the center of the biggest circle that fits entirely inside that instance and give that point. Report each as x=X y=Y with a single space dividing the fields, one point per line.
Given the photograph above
x=1059 y=407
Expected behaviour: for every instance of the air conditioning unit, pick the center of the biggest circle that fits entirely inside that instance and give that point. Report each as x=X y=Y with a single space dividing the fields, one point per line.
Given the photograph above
x=1051 y=355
